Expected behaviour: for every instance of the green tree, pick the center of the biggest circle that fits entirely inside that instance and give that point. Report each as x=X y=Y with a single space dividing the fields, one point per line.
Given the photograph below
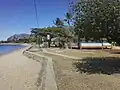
x=55 y=30
x=38 y=33
x=35 y=33
x=98 y=19
x=68 y=18
x=69 y=31
x=59 y=23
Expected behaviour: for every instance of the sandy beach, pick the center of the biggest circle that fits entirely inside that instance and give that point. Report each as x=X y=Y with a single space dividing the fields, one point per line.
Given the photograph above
x=17 y=72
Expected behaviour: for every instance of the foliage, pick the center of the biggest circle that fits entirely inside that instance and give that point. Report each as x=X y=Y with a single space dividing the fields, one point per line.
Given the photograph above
x=98 y=19
x=68 y=18
x=53 y=30
x=58 y=22
x=38 y=33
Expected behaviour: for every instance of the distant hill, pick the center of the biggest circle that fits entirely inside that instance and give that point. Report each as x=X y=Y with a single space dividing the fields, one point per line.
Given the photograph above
x=18 y=37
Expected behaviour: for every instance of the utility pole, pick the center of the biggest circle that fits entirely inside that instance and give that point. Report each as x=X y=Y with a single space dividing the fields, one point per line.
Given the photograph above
x=36 y=13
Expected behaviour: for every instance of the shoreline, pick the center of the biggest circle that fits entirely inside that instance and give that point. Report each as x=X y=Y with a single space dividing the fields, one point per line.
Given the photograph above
x=18 y=71
x=16 y=50
x=14 y=44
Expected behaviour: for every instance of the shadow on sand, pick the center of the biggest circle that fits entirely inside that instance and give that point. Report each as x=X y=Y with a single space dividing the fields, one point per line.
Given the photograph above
x=98 y=65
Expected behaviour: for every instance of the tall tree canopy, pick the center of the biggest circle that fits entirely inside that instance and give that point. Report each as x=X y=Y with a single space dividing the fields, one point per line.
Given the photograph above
x=98 y=19
x=53 y=30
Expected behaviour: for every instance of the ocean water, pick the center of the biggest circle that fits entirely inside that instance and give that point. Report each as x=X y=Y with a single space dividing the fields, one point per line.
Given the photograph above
x=9 y=48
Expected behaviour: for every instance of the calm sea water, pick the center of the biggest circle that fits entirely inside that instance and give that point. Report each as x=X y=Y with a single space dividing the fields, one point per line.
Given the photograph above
x=9 y=48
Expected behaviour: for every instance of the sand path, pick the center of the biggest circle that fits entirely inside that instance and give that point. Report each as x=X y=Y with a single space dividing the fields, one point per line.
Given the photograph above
x=17 y=72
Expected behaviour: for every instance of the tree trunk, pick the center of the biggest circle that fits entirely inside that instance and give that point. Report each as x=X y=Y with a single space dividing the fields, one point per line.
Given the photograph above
x=102 y=45
x=70 y=44
x=38 y=41
x=79 y=46
x=48 y=43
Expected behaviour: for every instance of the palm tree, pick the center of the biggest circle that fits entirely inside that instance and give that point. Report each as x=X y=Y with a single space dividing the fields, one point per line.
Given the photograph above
x=59 y=23
x=35 y=32
x=68 y=20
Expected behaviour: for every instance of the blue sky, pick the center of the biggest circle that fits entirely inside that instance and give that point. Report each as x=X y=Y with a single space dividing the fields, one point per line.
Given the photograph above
x=18 y=16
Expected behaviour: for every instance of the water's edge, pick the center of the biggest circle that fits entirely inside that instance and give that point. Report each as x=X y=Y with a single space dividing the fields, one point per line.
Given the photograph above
x=11 y=48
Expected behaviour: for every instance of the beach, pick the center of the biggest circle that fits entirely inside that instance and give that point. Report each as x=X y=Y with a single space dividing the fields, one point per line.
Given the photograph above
x=17 y=72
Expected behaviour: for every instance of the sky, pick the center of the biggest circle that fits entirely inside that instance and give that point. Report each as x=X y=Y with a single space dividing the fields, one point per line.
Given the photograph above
x=18 y=16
